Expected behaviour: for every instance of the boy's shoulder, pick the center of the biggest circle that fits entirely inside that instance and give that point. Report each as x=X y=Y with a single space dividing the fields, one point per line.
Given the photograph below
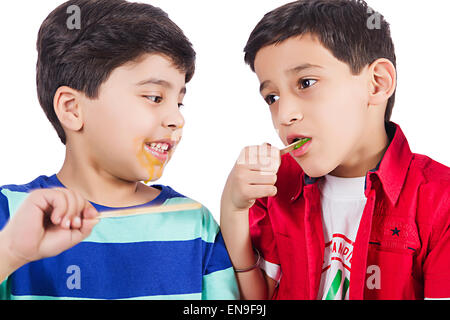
x=433 y=172
x=41 y=182
x=172 y=197
x=12 y=195
x=431 y=180
x=411 y=172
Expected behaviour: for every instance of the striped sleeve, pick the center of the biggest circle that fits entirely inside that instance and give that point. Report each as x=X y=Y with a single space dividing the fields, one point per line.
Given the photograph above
x=219 y=281
x=4 y=216
x=4 y=209
x=10 y=201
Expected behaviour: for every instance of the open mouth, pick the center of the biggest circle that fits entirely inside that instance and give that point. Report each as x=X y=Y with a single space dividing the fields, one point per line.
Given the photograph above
x=301 y=142
x=159 y=147
x=301 y=145
x=159 y=150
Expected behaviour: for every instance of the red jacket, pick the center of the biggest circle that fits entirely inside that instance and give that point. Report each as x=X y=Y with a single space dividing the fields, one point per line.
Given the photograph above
x=403 y=237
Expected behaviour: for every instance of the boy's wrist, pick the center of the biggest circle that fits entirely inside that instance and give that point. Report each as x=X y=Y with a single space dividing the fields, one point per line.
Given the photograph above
x=9 y=261
x=231 y=211
x=234 y=225
x=229 y=208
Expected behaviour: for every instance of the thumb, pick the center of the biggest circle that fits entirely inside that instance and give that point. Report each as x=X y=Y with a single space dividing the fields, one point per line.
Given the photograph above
x=89 y=211
x=87 y=226
x=90 y=219
x=78 y=235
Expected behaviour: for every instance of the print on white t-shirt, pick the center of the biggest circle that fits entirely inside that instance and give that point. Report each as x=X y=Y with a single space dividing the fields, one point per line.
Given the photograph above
x=343 y=202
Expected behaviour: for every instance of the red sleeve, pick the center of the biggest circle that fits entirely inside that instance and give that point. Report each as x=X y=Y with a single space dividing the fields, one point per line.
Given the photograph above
x=261 y=231
x=437 y=264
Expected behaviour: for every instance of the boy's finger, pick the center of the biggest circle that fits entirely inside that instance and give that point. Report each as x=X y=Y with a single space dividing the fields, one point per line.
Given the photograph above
x=262 y=191
x=273 y=154
x=263 y=163
x=88 y=225
x=276 y=156
x=262 y=178
x=248 y=156
x=57 y=200
x=71 y=209
x=89 y=211
x=265 y=149
x=82 y=233
x=90 y=219
x=80 y=204
x=267 y=165
x=266 y=158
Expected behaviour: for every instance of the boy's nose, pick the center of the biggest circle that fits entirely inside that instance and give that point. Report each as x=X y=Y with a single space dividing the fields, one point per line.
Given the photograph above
x=289 y=111
x=174 y=119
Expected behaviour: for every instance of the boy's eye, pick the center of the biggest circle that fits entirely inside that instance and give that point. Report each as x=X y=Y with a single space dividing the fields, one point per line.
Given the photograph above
x=155 y=99
x=306 y=83
x=271 y=99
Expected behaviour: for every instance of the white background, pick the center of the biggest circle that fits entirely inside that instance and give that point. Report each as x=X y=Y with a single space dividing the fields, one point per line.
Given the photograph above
x=224 y=111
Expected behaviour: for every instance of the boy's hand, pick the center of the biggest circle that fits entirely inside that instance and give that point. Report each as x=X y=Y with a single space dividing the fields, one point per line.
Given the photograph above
x=253 y=177
x=48 y=222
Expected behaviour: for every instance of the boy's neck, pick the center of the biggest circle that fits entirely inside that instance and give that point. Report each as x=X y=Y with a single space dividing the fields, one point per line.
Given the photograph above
x=101 y=187
x=366 y=156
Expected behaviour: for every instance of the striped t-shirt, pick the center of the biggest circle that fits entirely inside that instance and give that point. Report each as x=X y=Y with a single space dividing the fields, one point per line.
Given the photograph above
x=172 y=255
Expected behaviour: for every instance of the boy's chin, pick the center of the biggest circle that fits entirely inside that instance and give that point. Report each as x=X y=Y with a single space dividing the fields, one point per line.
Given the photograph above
x=312 y=170
x=151 y=180
x=155 y=177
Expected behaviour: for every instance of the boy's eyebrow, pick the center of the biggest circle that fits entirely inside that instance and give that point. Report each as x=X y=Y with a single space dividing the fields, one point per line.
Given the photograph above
x=302 y=67
x=297 y=69
x=159 y=82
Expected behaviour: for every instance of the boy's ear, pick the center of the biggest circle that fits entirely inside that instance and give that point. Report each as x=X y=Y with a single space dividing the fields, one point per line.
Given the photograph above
x=68 y=109
x=382 y=82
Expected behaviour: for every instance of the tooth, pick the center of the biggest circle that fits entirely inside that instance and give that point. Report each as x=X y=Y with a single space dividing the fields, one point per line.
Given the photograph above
x=153 y=145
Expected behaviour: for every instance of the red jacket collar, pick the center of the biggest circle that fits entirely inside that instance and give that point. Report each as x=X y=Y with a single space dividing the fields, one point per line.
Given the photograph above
x=395 y=164
x=391 y=170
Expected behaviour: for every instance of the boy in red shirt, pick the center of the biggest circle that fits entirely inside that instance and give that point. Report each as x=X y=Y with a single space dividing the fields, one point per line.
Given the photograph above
x=353 y=213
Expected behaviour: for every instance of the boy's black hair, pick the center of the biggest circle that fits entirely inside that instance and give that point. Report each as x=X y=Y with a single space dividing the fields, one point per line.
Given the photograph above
x=111 y=33
x=351 y=30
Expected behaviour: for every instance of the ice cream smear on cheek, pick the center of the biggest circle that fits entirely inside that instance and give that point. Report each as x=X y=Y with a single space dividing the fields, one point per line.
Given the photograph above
x=154 y=156
x=153 y=161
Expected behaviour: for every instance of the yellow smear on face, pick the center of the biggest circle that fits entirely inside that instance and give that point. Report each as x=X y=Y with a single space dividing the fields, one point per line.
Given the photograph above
x=153 y=165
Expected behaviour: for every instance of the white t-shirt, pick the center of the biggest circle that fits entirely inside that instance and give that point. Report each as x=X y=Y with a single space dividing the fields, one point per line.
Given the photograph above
x=343 y=203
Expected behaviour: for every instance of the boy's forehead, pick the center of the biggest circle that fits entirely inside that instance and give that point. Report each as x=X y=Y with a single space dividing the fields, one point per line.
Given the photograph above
x=149 y=67
x=294 y=55
x=152 y=61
